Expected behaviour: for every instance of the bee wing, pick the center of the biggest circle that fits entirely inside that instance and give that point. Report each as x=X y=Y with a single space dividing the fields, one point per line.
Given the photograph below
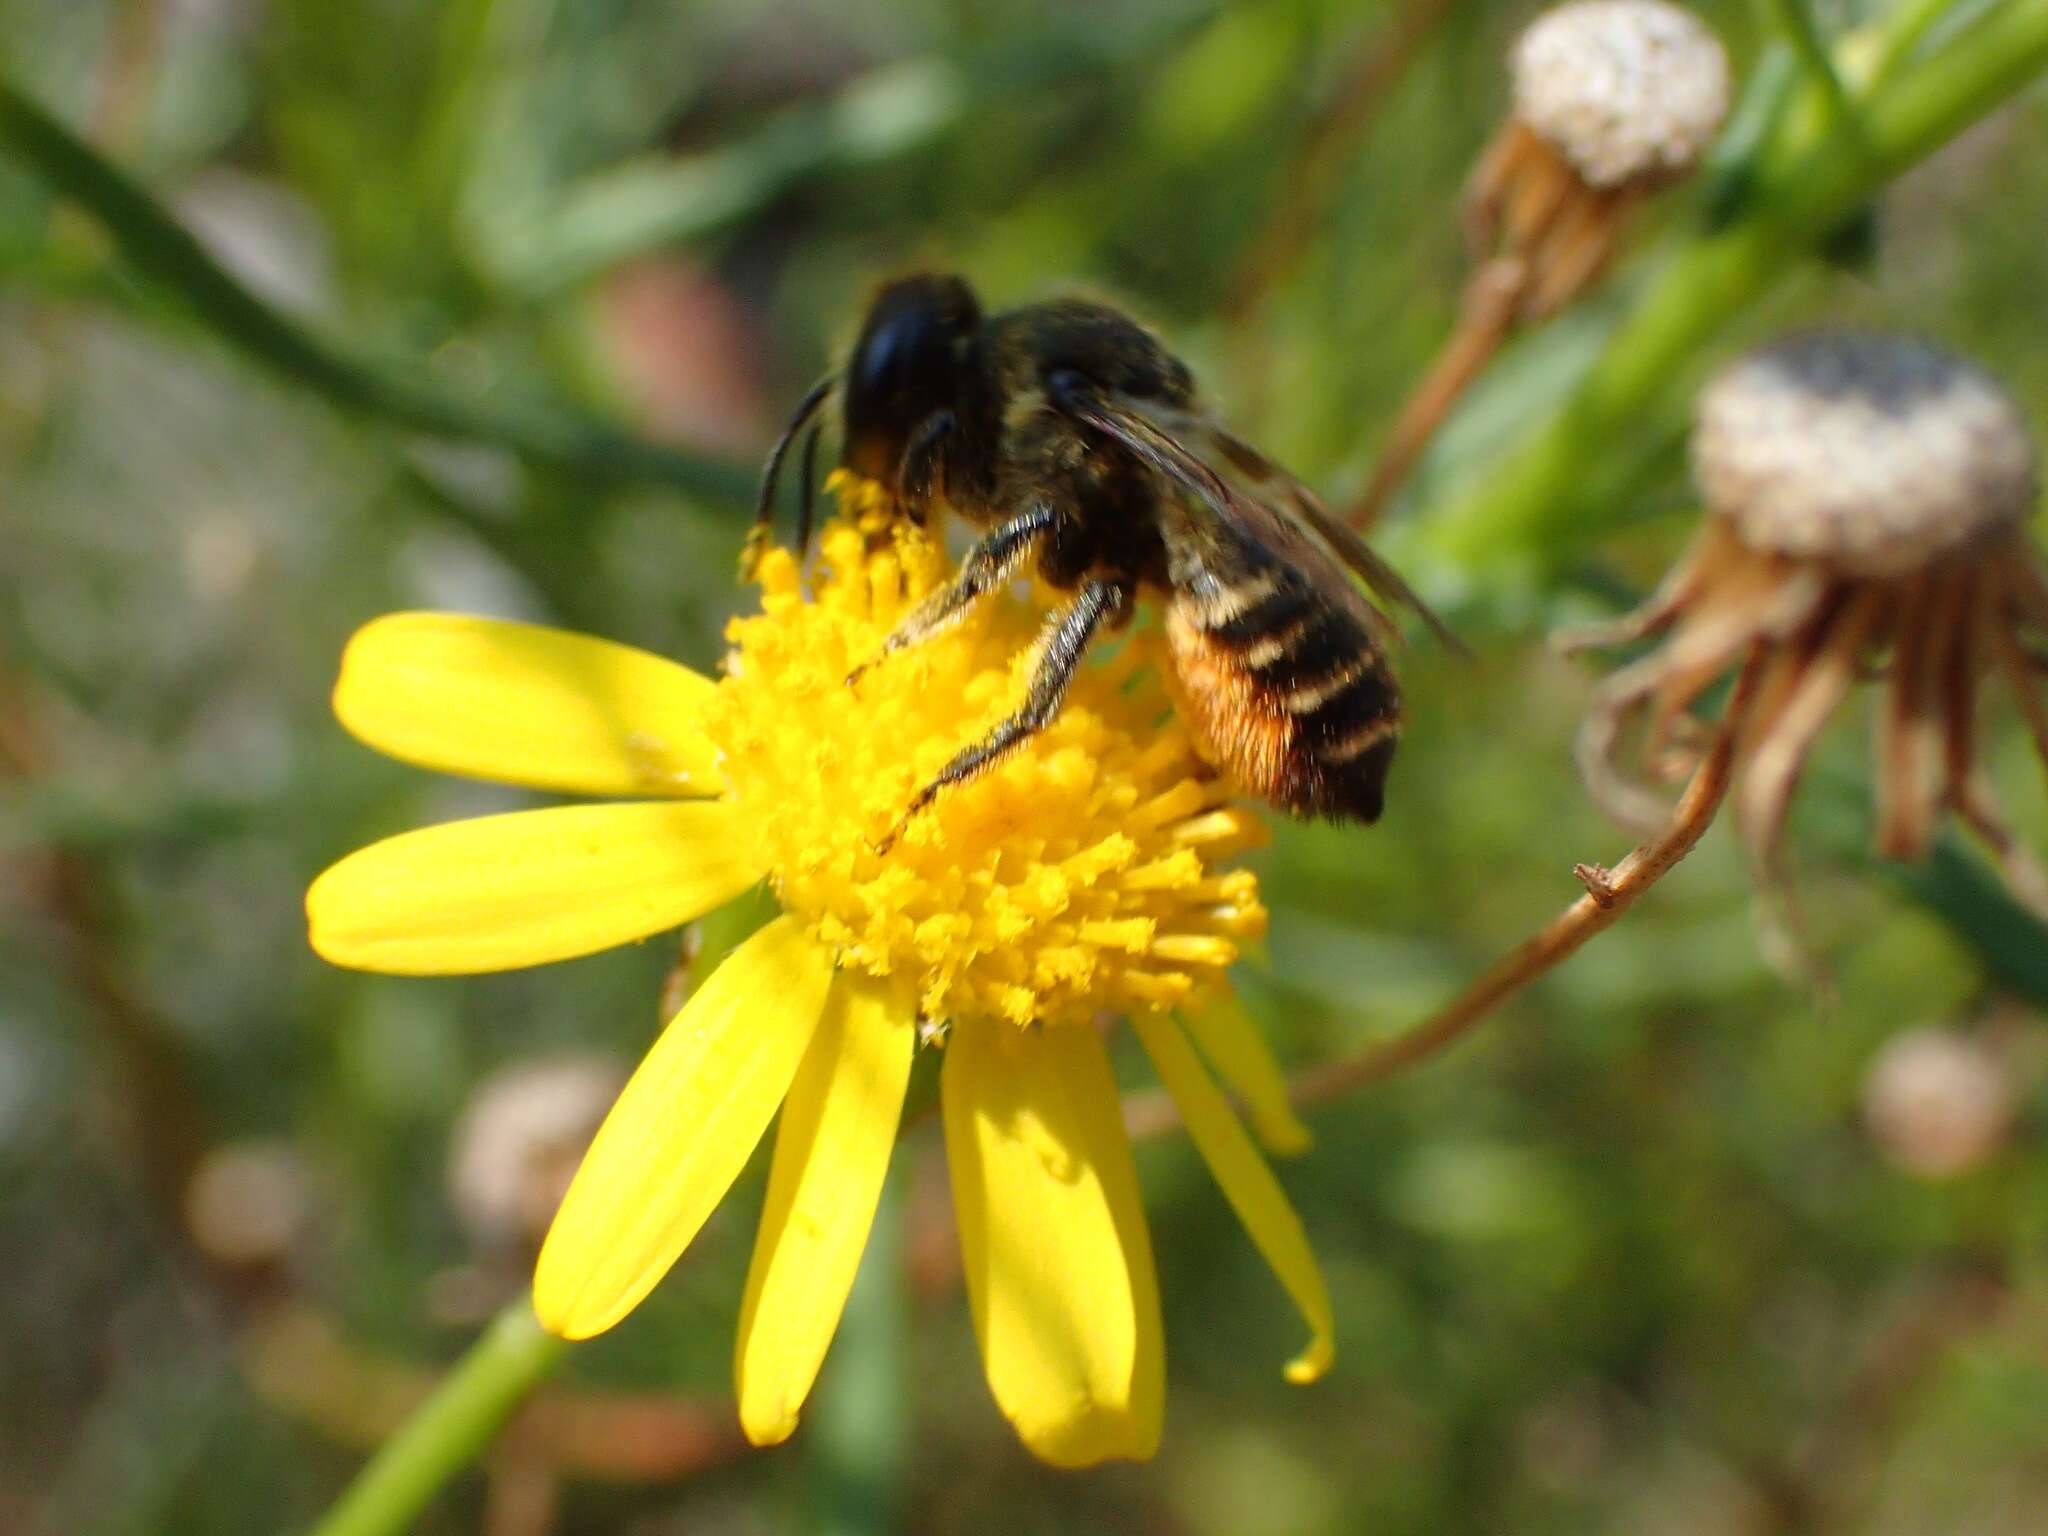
x=1257 y=500
x=1272 y=485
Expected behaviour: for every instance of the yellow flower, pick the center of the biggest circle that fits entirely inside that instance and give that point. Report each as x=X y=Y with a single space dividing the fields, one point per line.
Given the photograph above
x=1076 y=880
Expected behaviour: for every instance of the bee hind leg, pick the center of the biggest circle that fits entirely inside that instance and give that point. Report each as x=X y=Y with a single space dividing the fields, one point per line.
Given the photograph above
x=989 y=564
x=1067 y=638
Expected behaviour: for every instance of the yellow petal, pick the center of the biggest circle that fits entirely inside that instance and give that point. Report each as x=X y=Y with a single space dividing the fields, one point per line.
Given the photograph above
x=1247 y=1183
x=497 y=892
x=520 y=704
x=831 y=1151
x=681 y=1131
x=1237 y=1049
x=1059 y=1265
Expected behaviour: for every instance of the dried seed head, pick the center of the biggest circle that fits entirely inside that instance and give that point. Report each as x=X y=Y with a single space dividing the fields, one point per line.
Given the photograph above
x=1627 y=90
x=518 y=1141
x=1874 y=454
x=1937 y=1102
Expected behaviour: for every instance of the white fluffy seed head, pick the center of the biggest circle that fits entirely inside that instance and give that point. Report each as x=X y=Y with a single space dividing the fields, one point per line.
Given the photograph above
x=1626 y=90
x=1874 y=454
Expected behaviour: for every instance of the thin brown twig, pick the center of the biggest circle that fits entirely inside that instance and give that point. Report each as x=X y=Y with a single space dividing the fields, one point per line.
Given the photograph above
x=1609 y=893
x=1492 y=300
x=1309 y=180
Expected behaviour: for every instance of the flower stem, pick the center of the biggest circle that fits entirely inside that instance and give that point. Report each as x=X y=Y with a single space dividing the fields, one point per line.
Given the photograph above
x=1795 y=20
x=157 y=246
x=1609 y=893
x=450 y=1429
x=858 y=1431
x=1547 y=498
x=1902 y=28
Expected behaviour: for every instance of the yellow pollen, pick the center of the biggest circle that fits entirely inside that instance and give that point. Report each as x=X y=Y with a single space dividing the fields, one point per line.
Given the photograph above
x=1077 y=875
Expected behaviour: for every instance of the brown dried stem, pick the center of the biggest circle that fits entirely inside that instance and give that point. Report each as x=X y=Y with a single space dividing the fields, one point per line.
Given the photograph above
x=1540 y=238
x=1609 y=893
x=1492 y=300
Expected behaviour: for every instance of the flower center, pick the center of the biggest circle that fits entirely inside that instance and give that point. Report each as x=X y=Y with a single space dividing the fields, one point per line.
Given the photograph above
x=1075 y=875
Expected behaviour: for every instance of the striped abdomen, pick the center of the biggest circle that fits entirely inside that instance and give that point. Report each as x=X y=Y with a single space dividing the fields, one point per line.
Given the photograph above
x=1290 y=690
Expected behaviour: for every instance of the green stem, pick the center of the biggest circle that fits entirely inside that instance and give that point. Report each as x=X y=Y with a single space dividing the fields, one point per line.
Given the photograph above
x=1533 y=506
x=2010 y=940
x=1796 y=22
x=858 y=1429
x=1901 y=30
x=1954 y=882
x=450 y=1429
x=155 y=245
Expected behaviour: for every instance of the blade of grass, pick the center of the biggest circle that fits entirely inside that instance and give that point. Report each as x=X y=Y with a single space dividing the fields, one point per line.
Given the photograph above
x=1966 y=896
x=158 y=247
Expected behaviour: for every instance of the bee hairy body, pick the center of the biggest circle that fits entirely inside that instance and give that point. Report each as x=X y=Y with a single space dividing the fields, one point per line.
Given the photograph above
x=1069 y=434
x=1291 y=696
x=1015 y=449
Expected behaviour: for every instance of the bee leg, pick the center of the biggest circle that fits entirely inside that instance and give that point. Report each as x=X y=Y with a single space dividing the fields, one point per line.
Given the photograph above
x=989 y=564
x=1067 y=637
x=917 y=471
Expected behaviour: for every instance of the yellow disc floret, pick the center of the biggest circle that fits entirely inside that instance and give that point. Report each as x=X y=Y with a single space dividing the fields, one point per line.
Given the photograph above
x=1074 y=876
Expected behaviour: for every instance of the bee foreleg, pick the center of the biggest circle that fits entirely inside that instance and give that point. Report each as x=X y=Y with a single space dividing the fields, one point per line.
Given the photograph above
x=988 y=565
x=1067 y=638
x=917 y=471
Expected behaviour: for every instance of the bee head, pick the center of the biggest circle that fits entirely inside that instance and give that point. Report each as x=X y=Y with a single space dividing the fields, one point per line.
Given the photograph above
x=906 y=366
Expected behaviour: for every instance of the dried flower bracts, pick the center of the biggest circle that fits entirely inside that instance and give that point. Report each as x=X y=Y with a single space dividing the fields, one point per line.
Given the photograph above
x=1613 y=99
x=1866 y=499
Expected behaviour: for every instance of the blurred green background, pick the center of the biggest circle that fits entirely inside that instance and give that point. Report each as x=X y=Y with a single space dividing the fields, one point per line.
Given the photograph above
x=1668 y=1247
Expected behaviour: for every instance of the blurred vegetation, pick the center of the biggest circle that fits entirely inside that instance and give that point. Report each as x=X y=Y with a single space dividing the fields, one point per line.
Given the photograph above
x=537 y=281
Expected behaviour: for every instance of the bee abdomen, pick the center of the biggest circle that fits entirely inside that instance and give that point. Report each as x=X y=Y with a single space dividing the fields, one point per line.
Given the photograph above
x=1292 y=695
x=1350 y=735
x=1259 y=608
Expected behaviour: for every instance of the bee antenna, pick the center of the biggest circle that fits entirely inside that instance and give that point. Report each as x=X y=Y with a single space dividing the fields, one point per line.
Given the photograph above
x=807 y=473
x=764 y=508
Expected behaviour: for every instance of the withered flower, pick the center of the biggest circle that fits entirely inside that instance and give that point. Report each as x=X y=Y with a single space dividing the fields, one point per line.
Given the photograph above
x=1866 y=500
x=1613 y=99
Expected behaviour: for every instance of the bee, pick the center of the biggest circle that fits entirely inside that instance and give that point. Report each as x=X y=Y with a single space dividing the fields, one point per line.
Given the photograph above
x=1075 y=442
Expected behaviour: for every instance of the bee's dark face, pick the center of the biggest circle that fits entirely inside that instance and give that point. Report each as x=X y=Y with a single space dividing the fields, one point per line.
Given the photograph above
x=906 y=366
